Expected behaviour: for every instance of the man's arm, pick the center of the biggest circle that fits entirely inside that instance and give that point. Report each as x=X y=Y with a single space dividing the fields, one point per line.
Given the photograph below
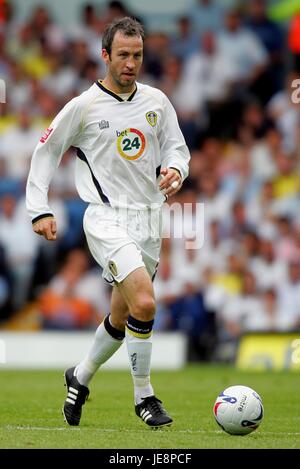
x=61 y=134
x=174 y=151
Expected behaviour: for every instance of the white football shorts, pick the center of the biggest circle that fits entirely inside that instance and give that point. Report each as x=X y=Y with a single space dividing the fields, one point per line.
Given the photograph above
x=122 y=240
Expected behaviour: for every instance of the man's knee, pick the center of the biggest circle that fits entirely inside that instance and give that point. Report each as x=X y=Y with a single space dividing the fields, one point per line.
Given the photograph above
x=143 y=308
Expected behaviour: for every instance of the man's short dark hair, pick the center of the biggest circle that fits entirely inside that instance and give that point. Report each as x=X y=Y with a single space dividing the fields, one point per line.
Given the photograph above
x=127 y=26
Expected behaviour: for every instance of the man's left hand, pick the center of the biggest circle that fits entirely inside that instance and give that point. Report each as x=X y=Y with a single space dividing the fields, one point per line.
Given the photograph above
x=170 y=176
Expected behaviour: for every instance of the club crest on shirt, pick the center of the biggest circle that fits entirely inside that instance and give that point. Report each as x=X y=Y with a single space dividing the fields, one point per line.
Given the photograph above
x=151 y=117
x=113 y=268
x=103 y=124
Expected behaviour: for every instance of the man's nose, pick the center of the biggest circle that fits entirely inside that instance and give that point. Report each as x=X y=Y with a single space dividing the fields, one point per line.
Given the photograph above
x=130 y=63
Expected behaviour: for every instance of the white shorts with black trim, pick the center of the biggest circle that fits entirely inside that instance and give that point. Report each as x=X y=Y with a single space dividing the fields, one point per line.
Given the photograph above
x=123 y=240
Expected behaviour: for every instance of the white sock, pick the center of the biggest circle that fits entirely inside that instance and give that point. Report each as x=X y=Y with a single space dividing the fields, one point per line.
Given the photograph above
x=103 y=347
x=139 y=354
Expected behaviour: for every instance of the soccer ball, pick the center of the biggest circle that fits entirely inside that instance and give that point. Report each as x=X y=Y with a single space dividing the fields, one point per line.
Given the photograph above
x=238 y=410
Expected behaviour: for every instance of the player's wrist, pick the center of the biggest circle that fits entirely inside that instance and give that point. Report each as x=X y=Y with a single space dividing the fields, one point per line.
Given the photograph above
x=177 y=170
x=41 y=217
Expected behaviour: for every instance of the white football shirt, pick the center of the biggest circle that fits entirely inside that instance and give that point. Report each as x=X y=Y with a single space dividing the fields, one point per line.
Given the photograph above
x=121 y=146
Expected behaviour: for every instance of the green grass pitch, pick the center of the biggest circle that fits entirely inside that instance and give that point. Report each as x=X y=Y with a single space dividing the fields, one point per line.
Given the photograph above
x=31 y=404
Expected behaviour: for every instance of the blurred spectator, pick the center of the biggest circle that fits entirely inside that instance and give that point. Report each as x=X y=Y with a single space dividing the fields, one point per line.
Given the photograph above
x=253 y=311
x=238 y=224
x=18 y=87
x=269 y=271
x=255 y=119
x=5 y=288
x=264 y=208
x=215 y=251
x=250 y=66
x=90 y=31
x=168 y=290
x=237 y=309
x=202 y=74
x=17 y=145
x=263 y=153
x=286 y=183
x=79 y=55
x=175 y=84
x=271 y=36
x=184 y=42
x=238 y=181
x=4 y=60
x=217 y=204
x=45 y=30
x=248 y=247
x=222 y=285
x=289 y=295
x=20 y=244
x=89 y=75
x=115 y=10
x=8 y=184
x=7 y=17
x=75 y=297
x=89 y=18
x=180 y=302
x=156 y=51
x=61 y=79
x=30 y=52
x=207 y=15
x=230 y=279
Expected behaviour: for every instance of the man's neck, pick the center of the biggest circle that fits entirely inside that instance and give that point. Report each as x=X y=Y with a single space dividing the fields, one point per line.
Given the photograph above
x=110 y=85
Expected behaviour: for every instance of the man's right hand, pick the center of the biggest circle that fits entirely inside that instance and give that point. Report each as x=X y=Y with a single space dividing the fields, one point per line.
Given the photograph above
x=46 y=227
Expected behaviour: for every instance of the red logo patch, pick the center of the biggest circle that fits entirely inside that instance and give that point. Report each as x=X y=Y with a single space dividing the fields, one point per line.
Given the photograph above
x=46 y=134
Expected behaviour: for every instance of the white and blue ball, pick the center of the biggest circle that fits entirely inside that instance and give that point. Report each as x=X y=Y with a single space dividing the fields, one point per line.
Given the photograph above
x=238 y=410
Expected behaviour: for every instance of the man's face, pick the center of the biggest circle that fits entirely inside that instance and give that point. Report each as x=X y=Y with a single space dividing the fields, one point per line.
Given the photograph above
x=125 y=60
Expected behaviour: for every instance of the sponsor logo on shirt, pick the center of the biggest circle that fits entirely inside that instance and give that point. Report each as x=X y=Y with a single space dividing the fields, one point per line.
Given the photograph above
x=46 y=134
x=130 y=143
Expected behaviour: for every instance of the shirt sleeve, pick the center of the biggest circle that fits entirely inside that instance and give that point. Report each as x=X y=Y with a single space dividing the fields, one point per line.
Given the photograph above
x=62 y=133
x=174 y=151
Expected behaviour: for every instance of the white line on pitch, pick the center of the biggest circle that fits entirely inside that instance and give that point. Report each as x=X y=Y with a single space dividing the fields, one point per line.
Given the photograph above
x=113 y=430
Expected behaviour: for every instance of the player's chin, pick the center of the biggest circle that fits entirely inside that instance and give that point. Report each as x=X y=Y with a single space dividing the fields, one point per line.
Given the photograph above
x=127 y=79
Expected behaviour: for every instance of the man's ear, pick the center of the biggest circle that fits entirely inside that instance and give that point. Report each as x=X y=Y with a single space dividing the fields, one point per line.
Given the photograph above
x=105 y=55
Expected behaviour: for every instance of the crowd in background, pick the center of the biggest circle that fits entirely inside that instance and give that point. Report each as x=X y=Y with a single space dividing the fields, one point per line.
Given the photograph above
x=230 y=75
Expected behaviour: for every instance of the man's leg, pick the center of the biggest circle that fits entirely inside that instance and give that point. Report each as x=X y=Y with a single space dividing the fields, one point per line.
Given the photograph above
x=108 y=338
x=137 y=290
